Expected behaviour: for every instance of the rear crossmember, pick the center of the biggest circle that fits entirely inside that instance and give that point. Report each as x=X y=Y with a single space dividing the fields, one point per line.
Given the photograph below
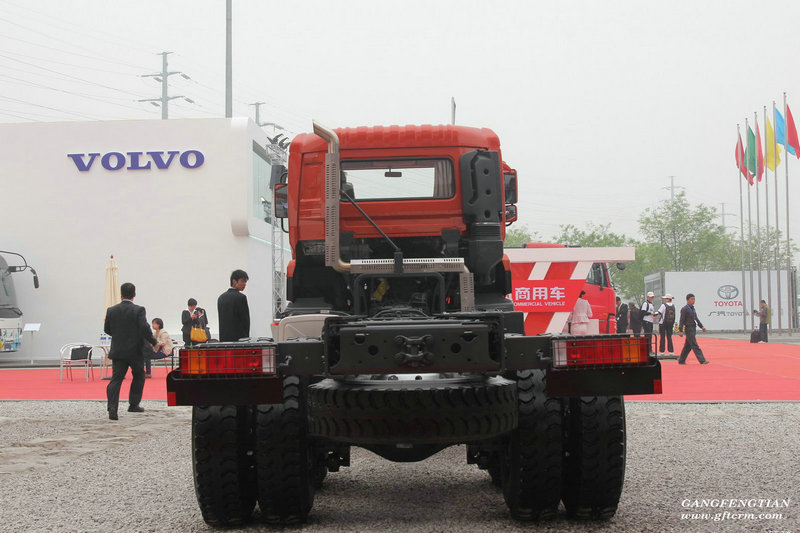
x=248 y=373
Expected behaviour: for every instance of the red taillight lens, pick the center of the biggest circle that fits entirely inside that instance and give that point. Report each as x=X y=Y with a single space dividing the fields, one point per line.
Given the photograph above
x=600 y=351
x=228 y=361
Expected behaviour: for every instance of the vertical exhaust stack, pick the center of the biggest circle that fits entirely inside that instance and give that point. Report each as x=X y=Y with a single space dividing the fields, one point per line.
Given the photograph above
x=333 y=257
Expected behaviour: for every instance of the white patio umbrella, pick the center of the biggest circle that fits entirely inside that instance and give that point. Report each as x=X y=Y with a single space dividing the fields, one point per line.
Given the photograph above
x=113 y=296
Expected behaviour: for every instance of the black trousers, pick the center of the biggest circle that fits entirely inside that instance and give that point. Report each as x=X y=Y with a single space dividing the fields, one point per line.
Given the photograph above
x=762 y=330
x=647 y=327
x=691 y=345
x=665 y=337
x=119 y=368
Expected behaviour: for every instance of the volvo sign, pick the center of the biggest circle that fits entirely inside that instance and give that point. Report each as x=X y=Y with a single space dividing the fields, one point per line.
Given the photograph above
x=138 y=160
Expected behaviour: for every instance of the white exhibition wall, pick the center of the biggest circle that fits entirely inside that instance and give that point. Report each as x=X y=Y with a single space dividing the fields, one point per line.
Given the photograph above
x=719 y=296
x=176 y=232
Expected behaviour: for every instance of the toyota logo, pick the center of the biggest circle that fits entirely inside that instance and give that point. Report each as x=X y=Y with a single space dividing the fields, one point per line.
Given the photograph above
x=728 y=292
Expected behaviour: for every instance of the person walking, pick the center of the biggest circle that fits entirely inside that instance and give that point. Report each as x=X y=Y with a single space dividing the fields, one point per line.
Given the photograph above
x=126 y=322
x=648 y=312
x=763 y=321
x=666 y=323
x=580 y=316
x=233 y=311
x=193 y=317
x=635 y=318
x=689 y=323
x=622 y=316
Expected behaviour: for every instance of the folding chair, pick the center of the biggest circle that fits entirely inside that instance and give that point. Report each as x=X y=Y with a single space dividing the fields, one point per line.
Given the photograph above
x=76 y=354
x=170 y=361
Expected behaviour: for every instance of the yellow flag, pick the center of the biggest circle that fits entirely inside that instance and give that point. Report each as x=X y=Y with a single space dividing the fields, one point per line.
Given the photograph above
x=773 y=157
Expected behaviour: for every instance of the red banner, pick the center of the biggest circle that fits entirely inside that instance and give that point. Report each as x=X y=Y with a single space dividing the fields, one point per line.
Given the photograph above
x=546 y=296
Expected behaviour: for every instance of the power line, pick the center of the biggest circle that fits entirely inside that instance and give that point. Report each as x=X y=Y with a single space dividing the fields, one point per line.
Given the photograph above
x=68 y=75
x=103 y=70
x=6 y=113
x=163 y=77
x=115 y=38
x=88 y=96
x=61 y=50
x=671 y=188
x=49 y=36
x=46 y=107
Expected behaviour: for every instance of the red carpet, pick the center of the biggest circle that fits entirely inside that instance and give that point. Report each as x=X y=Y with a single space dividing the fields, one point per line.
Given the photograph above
x=43 y=384
x=739 y=371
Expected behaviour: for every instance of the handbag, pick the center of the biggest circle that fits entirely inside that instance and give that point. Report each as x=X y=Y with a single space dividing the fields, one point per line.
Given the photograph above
x=198 y=335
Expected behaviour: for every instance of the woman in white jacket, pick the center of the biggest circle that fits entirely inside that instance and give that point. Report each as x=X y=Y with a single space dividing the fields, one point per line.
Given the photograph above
x=581 y=314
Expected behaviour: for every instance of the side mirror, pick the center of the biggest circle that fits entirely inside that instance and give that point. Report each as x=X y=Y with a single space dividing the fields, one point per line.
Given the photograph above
x=281 y=200
x=510 y=183
x=511 y=213
x=620 y=266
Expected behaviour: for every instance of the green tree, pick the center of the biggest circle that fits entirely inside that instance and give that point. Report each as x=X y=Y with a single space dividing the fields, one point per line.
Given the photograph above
x=731 y=256
x=688 y=234
x=593 y=235
x=629 y=283
x=519 y=236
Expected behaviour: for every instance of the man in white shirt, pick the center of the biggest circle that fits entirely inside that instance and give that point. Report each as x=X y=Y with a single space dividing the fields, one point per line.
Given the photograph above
x=648 y=312
x=666 y=323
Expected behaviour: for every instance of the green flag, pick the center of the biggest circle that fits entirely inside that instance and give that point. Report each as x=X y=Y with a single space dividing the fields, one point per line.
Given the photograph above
x=751 y=151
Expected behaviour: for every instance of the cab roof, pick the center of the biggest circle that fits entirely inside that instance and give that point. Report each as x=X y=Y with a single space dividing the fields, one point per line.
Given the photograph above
x=400 y=137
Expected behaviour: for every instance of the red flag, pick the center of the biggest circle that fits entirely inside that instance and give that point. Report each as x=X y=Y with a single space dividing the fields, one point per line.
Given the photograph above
x=759 y=155
x=740 y=161
x=791 y=132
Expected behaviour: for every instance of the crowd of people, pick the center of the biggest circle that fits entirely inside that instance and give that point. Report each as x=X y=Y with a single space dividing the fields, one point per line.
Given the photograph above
x=641 y=320
x=134 y=345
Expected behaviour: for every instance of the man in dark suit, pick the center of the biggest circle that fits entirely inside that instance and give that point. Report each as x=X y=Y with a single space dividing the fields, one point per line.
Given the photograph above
x=688 y=324
x=622 y=316
x=126 y=322
x=192 y=317
x=233 y=311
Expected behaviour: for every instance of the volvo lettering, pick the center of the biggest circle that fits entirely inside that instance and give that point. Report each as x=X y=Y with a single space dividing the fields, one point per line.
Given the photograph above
x=138 y=160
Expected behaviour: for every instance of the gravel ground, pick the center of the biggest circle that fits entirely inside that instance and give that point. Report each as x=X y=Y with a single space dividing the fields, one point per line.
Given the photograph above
x=65 y=467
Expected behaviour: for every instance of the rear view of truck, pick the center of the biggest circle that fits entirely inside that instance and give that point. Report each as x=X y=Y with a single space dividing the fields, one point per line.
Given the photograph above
x=399 y=338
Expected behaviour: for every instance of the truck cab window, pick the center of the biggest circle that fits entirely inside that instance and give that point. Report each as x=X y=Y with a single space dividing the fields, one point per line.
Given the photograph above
x=399 y=179
x=597 y=275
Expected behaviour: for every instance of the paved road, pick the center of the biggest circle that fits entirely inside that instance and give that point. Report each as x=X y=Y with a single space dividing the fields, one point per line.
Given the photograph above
x=64 y=467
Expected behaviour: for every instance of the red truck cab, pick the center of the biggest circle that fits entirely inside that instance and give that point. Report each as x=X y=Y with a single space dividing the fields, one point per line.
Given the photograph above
x=573 y=270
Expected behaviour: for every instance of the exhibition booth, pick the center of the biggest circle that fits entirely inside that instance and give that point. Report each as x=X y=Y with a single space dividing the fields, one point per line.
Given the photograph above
x=178 y=203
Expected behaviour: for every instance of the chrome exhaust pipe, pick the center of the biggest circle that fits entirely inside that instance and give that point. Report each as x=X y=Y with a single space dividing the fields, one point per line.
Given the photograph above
x=333 y=257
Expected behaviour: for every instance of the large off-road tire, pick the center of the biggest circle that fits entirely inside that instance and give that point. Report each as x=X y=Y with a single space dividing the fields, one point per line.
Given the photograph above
x=320 y=468
x=285 y=457
x=594 y=464
x=495 y=472
x=222 y=463
x=425 y=412
x=532 y=459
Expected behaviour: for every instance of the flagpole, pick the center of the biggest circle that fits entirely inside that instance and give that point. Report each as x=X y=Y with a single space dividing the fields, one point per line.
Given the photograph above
x=792 y=305
x=766 y=217
x=777 y=226
x=741 y=226
x=749 y=224
x=758 y=217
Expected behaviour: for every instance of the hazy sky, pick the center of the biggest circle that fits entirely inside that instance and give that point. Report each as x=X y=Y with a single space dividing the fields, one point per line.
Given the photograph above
x=596 y=103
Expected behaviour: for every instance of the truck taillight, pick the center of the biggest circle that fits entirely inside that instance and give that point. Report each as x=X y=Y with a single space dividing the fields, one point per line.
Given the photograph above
x=254 y=361
x=597 y=351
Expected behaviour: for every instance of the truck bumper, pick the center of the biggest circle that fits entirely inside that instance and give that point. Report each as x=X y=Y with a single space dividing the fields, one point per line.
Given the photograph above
x=605 y=381
x=249 y=390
